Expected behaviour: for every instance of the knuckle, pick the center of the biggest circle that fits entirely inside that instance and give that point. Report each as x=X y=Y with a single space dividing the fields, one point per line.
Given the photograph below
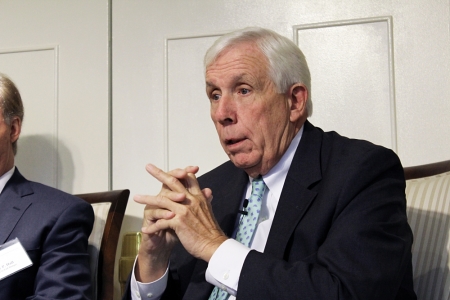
x=182 y=212
x=159 y=199
x=172 y=180
x=157 y=171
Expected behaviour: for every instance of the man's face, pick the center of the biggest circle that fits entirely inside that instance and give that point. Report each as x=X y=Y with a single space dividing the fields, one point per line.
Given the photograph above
x=8 y=135
x=252 y=119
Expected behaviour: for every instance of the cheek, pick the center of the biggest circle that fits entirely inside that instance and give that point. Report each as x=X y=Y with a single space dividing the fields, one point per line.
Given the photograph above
x=212 y=114
x=278 y=118
x=272 y=130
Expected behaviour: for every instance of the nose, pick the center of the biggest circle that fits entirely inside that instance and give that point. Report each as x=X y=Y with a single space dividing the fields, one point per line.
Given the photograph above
x=223 y=110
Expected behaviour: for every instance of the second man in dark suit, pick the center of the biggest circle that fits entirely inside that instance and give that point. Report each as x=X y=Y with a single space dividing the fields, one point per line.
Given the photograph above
x=53 y=227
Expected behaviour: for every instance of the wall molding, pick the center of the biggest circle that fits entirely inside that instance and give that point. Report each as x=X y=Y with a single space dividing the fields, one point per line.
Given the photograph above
x=385 y=19
x=167 y=40
x=55 y=140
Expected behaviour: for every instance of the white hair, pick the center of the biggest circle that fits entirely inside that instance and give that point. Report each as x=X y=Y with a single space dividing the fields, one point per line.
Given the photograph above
x=287 y=64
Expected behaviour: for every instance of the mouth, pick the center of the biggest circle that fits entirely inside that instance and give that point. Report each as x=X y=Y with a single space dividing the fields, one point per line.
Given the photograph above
x=234 y=145
x=231 y=142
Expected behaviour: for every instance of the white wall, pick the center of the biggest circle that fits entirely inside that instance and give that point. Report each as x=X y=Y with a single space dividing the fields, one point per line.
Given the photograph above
x=380 y=71
x=57 y=54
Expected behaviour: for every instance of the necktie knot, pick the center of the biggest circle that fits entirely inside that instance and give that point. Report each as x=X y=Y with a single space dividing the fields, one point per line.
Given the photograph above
x=258 y=188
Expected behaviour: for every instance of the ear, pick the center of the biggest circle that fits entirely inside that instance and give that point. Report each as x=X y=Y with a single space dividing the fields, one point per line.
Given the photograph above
x=298 y=94
x=15 y=127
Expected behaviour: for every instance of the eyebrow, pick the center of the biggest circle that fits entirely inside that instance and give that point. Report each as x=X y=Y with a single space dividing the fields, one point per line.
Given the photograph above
x=238 y=78
x=208 y=84
x=235 y=80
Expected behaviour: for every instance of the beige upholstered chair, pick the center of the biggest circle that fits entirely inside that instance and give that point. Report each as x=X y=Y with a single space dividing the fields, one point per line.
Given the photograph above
x=428 y=209
x=109 y=209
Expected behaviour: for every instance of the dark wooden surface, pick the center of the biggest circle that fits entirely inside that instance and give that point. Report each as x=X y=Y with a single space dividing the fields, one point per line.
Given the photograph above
x=427 y=170
x=110 y=238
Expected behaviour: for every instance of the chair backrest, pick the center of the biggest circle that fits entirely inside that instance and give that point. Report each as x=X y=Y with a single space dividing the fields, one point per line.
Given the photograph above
x=109 y=209
x=428 y=209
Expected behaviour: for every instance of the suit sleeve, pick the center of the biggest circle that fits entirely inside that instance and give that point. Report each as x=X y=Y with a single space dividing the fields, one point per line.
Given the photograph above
x=64 y=271
x=366 y=250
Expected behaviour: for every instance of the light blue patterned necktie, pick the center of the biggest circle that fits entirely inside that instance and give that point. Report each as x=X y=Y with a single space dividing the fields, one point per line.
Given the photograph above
x=247 y=226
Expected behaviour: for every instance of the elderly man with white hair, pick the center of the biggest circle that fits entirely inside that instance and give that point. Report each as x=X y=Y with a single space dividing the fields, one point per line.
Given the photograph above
x=297 y=213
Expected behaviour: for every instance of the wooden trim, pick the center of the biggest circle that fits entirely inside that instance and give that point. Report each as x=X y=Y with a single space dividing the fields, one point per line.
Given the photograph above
x=427 y=170
x=110 y=238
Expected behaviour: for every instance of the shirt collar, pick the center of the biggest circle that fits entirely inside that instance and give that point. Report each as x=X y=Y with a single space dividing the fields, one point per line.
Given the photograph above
x=5 y=178
x=275 y=178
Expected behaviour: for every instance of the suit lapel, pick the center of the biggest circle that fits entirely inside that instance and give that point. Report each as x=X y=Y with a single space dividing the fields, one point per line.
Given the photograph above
x=13 y=206
x=296 y=195
x=226 y=210
x=294 y=202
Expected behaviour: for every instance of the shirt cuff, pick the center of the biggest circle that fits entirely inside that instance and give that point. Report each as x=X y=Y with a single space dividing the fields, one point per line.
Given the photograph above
x=225 y=265
x=151 y=290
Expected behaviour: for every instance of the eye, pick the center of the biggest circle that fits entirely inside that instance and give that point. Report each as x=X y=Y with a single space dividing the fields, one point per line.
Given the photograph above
x=215 y=96
x=244 y=91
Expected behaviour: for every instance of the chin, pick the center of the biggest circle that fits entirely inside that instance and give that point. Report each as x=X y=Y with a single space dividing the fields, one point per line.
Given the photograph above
x=244 y=164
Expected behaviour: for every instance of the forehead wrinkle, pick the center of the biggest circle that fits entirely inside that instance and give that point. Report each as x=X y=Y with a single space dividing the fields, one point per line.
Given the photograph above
x=254 y=69
x=236 y=80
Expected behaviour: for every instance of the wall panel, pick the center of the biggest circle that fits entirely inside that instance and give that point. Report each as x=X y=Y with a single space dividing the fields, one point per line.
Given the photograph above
x=352 y=85
x=57 y=53
x=35 y=71
x=188 y=125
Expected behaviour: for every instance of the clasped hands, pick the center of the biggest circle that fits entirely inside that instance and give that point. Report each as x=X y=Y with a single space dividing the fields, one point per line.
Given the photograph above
x=181 y=211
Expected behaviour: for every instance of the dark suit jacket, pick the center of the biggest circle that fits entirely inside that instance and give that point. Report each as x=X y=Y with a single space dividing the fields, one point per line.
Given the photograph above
x=340 y=230
x=53 y=227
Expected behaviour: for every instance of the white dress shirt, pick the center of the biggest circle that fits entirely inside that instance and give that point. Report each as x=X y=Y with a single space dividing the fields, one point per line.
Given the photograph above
x=224 y=267
x=5 y=178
